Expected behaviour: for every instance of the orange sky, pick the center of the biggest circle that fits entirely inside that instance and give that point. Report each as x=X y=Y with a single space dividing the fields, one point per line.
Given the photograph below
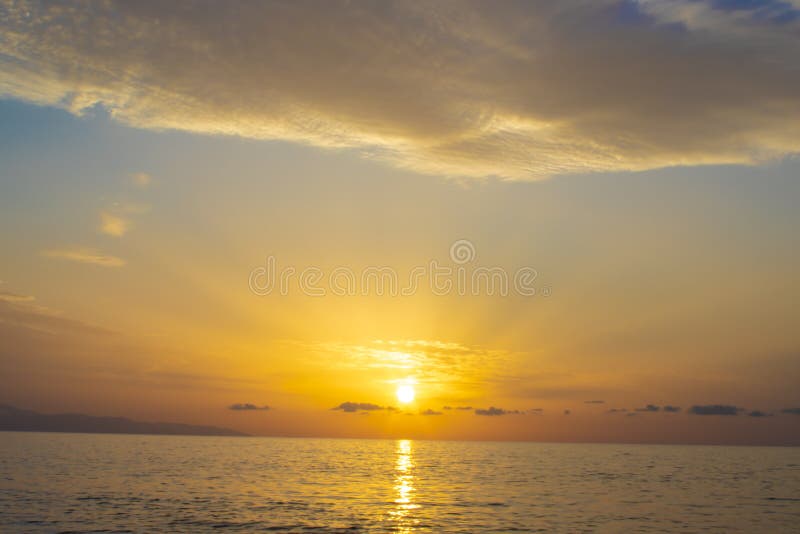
x=148 y=170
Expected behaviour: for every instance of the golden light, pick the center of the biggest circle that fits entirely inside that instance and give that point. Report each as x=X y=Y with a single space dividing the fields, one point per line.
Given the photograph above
x=405 y=393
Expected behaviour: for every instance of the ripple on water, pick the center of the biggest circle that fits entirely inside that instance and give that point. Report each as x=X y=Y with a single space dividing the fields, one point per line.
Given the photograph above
x=80 y=483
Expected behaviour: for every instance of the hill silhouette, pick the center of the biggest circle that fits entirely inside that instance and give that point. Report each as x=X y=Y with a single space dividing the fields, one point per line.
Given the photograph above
x=15 y=419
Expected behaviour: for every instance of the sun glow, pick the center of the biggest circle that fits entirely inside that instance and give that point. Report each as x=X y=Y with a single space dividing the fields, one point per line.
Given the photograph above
x=405 y=393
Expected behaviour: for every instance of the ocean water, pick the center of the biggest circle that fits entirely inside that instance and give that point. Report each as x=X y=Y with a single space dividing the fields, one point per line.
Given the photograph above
x=124 y=483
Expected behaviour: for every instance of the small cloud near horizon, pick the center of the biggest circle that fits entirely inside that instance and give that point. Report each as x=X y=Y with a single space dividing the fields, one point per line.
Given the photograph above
x=352 y=407
x=715 y=409
x=792 y=411
x=246 y=406
x=649 y=408
x=430 y=412
x=594 y=402
x=492 y=411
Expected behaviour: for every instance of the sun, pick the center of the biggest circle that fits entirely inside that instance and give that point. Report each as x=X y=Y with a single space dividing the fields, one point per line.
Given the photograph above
x=405 y=393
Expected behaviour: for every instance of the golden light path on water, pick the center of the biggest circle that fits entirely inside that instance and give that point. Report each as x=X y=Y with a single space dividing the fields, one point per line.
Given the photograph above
x=404 y=487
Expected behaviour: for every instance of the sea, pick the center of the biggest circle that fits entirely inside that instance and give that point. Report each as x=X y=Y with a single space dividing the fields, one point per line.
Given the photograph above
x=53 y=482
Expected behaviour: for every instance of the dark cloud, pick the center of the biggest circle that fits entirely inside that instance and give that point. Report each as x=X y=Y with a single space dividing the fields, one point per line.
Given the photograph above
x=672 y=409
x=759 y=413
x=430 y=412
x=594 y=402
x=715 y=409
x=351 y=407
x=246 y=406
x=649 y=408
x=617 y=410
x=491 y=411
x=457 y=408
x=515 y=89
x=793 y=411
x=567 y=412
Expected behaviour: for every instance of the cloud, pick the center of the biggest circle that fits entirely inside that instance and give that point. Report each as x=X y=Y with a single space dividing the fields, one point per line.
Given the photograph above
x=463 y=408
x=617 y=410
x=113 y=225
x=13 y=298
x=715 y=409
x=492 y=411
x=244 y=407
x=672 y=409
x=594 y=402
x=350 y=407
x=648 y=408
x=430 y=412
x=519 y=90
x=567 y=412
x=793 y=411
x=85 y=255
x=759 y=413
x=431 y=362
x=141 y=179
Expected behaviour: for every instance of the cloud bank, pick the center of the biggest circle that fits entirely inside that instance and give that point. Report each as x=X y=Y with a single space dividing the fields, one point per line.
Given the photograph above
x=519 y=90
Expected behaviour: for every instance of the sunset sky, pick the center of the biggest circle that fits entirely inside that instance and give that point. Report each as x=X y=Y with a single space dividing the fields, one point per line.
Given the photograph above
x=637 y=157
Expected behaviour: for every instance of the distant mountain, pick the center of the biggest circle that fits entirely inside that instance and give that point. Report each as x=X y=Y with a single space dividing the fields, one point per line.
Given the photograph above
x=14 y=419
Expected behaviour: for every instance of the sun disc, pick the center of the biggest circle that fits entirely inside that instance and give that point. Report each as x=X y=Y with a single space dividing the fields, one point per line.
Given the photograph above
x=405 y=393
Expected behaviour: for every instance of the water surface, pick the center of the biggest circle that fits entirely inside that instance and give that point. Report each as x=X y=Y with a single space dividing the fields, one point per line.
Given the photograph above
x=91 y=482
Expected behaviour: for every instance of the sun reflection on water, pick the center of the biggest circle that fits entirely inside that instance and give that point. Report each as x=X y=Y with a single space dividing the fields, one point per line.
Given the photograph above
x=404 y=487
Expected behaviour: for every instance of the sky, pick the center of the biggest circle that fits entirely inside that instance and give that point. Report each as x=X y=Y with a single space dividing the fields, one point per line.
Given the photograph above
x=569 y=221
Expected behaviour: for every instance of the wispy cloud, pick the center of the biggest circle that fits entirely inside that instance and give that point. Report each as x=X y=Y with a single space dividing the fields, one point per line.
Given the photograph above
x=519 y=89
x=141 y=179
x=113 y=225
x=431 y=362
x=85 y=255
x=14 y=298
x=430 y=412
